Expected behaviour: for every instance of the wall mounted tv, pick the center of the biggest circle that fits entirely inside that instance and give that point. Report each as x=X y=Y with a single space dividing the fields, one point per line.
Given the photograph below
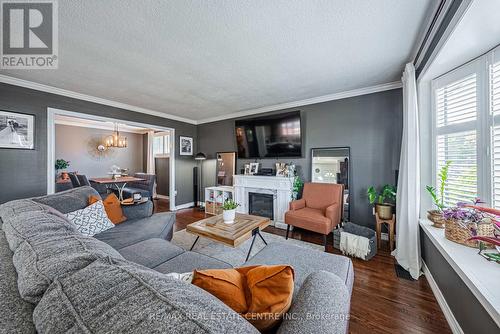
x=275 y=136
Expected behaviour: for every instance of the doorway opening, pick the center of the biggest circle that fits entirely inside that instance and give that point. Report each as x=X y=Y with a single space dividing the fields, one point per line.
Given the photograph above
x=99 y=147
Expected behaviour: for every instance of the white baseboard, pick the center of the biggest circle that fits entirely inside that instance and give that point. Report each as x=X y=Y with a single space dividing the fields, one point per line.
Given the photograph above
x=184 y=206
x=454 y=325
x=162 y=196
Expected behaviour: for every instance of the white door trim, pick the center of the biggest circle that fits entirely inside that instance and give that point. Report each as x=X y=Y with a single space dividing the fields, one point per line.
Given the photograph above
x=51 y=142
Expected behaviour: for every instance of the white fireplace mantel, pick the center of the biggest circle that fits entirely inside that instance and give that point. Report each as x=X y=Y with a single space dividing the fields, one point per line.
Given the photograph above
x=279 y=186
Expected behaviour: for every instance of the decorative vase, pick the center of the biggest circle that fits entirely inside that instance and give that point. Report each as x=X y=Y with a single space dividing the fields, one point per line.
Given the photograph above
x=436 y=217
x=64 y=175
x=228 y=216
x=384 y=210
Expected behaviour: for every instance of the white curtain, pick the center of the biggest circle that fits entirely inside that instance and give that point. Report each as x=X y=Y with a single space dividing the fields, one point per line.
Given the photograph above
x=150 y=162
x=407 y=250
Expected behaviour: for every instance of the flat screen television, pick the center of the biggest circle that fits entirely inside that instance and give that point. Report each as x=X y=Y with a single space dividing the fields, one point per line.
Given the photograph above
x=275 y=136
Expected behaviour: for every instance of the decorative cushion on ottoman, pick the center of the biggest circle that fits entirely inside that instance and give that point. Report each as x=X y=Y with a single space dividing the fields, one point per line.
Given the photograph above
x=117 y=296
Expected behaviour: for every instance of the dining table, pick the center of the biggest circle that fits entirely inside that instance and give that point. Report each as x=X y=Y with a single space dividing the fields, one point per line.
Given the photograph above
x=118 y=182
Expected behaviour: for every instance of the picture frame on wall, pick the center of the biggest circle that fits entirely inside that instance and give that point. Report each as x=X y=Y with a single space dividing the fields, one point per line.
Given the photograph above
x=17 y=130
x=185 y=145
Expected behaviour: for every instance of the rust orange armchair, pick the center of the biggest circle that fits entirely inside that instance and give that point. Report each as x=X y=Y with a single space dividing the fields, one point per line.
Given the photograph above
x=319 y=210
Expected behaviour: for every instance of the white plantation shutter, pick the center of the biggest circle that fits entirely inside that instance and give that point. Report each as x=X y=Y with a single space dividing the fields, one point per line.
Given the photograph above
x=459 y=148
x=456 y=106
x=457 y=102
x=494 y=98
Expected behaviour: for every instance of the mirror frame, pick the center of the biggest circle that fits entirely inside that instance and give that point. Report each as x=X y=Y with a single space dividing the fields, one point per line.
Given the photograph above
x=217 y=164
x=349 y=172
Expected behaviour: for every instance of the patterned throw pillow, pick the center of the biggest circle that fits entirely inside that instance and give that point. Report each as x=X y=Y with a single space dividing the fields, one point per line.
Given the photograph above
x=91 y=220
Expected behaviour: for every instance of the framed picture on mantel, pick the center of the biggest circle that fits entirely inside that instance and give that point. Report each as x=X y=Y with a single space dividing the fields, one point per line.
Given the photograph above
x=17 y=130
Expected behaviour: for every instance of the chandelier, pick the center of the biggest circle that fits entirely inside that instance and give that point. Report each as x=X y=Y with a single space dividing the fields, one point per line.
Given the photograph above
x=115 y=140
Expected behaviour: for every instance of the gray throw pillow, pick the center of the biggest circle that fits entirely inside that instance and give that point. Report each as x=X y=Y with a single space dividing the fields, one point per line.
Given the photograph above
x=39 y=263
x=117 y=296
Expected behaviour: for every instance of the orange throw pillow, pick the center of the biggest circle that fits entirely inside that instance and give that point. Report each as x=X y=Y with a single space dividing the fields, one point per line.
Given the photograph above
x=112 y=206
x=261 y=294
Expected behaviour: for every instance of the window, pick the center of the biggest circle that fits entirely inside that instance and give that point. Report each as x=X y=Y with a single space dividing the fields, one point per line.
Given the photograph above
x=467 y=130
x=161 y=144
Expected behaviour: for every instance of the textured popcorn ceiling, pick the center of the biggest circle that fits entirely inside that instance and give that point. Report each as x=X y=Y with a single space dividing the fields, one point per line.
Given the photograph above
x=203 y=59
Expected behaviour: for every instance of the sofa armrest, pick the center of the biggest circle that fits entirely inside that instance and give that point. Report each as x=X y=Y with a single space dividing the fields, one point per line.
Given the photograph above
x=321 y=306
x=297 y=204
x=138 y=211
x=332 y=213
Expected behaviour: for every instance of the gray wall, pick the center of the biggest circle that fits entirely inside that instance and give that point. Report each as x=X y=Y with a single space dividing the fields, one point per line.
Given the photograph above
x=472 y=317
x=371 y=125
x=78 y=145
x=24 y=172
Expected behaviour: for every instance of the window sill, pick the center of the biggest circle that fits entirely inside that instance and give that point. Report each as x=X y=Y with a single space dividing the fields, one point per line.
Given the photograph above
x=481 y=276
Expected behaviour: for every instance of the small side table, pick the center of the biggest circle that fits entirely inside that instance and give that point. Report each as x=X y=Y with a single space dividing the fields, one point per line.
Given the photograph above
x=390 y=225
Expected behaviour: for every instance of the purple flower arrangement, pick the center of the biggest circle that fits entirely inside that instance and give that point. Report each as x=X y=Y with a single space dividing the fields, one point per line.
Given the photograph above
x=464 y=214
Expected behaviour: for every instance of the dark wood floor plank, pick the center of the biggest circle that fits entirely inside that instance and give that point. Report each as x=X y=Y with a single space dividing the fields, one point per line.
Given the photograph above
x=381 y=302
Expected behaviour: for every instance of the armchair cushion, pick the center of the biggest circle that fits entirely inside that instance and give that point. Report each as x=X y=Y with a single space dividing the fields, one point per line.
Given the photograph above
x=297 y=204
x=333 y=213
x=309 y=219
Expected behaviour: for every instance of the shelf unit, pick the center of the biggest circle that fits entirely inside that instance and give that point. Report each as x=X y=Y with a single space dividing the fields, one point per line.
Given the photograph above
x=215 y=197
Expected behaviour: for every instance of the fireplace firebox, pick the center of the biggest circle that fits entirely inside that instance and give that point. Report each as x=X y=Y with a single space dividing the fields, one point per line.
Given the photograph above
x=261 y=205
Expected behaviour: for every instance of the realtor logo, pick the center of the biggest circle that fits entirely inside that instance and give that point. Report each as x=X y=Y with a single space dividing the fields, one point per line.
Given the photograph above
x=29 y=34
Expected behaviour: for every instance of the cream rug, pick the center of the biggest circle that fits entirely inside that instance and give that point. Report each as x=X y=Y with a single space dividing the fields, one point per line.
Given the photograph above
x=233 y=256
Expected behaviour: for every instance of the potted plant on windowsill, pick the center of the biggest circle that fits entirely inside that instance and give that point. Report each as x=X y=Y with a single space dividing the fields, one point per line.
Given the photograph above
x=383 y=208
x=62 y=164
x=229 y=211
x=436 y=216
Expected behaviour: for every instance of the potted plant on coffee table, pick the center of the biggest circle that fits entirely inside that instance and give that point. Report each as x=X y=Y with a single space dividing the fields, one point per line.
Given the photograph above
x=229 y=211
x=436 y=216
x=383 y=208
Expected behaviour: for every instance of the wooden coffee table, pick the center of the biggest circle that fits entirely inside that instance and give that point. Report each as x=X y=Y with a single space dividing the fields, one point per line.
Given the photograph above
x=233 y=235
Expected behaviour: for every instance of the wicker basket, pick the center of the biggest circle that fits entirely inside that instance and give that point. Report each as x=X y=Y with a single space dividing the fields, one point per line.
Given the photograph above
x=436 y=217
x=457 y=233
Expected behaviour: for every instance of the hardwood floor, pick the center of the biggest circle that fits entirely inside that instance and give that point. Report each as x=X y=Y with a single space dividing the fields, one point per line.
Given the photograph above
x=381 y=302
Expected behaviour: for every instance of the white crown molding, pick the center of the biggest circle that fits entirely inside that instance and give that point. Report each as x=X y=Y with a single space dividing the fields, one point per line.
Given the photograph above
x=295 y=104
x=448 y=314
x=59 y=91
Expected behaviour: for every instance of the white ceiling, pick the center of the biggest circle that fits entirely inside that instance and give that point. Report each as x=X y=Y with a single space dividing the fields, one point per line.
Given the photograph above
x=202 y=60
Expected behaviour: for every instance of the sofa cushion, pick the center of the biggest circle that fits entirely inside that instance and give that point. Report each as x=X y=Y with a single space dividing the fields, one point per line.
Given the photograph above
x=189 y=261
x=69 y=200
x=322 y=306
x=39 y=262
x=300 y=259
x=118 y=296
x=132 y=231
x=16 y=314
x=35 y=225
x=151 y=253
x=310 y=219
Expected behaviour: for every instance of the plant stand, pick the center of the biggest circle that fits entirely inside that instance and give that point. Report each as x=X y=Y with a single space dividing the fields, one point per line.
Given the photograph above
x=391 y=223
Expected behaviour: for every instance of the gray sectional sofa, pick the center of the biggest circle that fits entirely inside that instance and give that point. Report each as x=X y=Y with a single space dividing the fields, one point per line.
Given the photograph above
x=55 y=280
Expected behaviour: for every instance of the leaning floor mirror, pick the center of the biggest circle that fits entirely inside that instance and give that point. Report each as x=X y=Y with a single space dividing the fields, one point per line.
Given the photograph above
x=331 y=165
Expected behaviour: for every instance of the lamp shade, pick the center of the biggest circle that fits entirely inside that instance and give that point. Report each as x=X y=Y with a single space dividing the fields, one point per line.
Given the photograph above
x=200 y=156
